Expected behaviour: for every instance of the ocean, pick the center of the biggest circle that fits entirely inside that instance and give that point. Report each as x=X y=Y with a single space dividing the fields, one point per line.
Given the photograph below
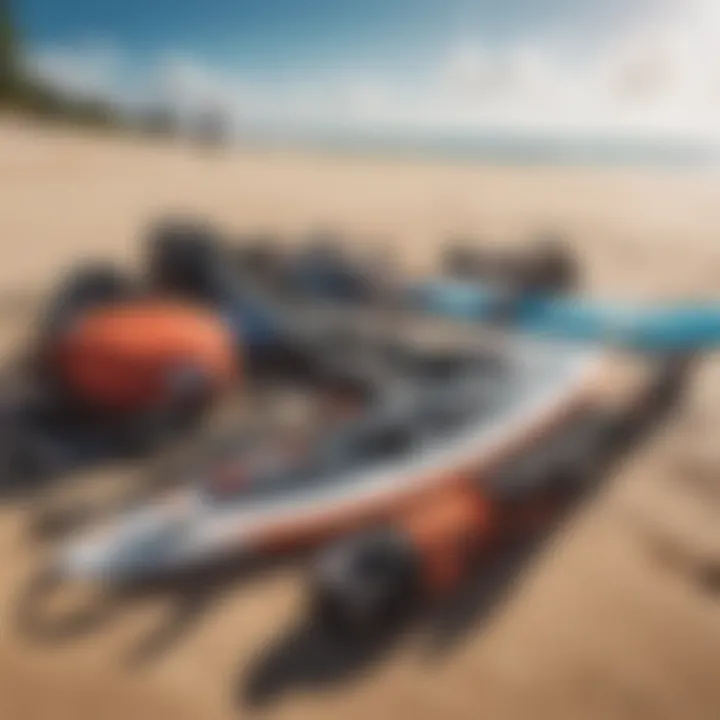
x=501 y=149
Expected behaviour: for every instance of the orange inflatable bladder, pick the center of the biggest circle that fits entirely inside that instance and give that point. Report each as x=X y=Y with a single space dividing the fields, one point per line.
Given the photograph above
x=126 y=357
x=446 y=529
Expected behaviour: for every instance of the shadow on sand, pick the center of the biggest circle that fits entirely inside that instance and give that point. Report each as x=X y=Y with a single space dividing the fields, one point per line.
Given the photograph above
x=191 y=596
x=307 y=657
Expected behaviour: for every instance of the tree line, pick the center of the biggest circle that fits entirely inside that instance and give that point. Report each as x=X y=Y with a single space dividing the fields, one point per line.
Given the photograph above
x=29 y=95
x=25 y=94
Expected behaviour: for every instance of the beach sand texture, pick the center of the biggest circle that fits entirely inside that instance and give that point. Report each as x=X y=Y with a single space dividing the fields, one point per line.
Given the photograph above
x=618 y=617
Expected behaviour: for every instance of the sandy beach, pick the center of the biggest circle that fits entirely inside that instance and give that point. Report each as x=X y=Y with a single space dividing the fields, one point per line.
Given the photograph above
x=617 y=617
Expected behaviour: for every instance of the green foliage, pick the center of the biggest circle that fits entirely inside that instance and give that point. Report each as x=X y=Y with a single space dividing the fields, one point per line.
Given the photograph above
x=8 y=53
x=23 y=93
x=20 y=92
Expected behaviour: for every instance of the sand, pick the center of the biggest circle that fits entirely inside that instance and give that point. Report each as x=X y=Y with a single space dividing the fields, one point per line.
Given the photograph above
x=617 y=617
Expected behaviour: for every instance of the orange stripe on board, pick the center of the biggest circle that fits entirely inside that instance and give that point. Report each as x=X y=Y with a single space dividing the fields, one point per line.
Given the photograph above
x=314 y=530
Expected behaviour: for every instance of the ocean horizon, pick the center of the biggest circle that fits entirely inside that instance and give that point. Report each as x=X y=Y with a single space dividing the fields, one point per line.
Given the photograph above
x=500 y=149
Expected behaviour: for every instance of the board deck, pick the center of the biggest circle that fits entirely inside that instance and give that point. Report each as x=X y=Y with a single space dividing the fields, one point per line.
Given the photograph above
x=670 y=328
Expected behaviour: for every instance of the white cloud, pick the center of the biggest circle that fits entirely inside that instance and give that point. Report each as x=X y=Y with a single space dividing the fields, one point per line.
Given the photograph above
x=88 y=69
x=660 y=79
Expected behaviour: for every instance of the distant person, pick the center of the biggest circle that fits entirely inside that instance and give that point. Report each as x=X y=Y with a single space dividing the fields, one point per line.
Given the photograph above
x=212 y=129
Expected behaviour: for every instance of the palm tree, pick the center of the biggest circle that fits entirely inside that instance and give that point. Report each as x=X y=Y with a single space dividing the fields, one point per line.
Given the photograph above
x=9 y=71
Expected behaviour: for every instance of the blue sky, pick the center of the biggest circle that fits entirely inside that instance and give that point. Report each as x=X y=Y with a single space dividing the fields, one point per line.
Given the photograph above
x=279 y=35
x=441 y=63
